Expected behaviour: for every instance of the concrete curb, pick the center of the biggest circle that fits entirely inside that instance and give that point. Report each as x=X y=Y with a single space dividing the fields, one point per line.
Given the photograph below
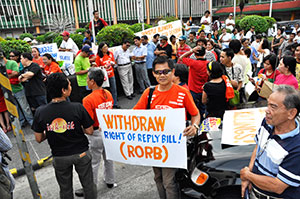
x=39 y=164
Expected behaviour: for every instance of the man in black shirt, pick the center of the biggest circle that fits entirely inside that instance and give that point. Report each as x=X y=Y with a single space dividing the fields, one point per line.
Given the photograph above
x=32 y=80
x=63 y=124
x=99 y=23
x=163 y=49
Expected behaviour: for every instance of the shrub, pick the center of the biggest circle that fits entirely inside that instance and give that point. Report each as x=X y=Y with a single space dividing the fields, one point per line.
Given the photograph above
x=77 y=39
x=80 y=31
x=50 y=36
x=259 y=22
x=1 y=39
x=40 y=38
x=270 y=21
x=115 y=34
x=58 y=40
x=22 y=36
x=9 y=38
x=138 y=27
x=19 y=45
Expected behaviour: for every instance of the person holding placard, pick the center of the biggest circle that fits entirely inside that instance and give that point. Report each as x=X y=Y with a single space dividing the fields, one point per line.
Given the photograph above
x=68 y=45
x=274 y=171
x=168 y=95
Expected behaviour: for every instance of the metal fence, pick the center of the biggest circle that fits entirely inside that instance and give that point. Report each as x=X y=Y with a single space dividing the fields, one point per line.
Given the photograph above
x=16 y=13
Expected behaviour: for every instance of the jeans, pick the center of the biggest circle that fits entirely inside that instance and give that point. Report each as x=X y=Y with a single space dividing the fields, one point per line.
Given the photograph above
x=142 y=76
x=97 y=150
x=113 y=89
x=23 y=108
x=63 y=166
x=36 y=101
x=198 y=101
x=165 y=183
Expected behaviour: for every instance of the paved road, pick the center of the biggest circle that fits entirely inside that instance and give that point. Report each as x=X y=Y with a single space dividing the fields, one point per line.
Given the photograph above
x=133 y=181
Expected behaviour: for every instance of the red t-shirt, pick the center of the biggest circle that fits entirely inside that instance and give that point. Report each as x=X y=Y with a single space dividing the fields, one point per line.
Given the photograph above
x=101 y=99
x=79 y=51
x=182 y=50
x=53 y=68
x=269 y=77
x=197 y=73
x=176 y=97
x=106 y=62
x=39 y=61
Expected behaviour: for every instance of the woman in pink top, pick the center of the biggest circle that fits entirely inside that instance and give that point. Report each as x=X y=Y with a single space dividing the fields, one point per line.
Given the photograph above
x=287 y=68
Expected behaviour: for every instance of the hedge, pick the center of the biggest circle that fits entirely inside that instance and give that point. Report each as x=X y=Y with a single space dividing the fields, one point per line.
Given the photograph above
x=260 y=23
x=22 y=36
x=138 y=27
x=10 y=45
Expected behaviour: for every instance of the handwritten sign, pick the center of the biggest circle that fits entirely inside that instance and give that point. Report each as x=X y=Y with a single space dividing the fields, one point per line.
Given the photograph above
x=47 y=48
x=173 y=28
x=66 y=62
x=144 y=137
x=241 y=126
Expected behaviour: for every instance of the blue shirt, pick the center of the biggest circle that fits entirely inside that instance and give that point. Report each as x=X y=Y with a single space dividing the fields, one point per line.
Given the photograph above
x=92 y=39
x=140 y=51
x=150 y=54
x=253 y=50
x=278 y=156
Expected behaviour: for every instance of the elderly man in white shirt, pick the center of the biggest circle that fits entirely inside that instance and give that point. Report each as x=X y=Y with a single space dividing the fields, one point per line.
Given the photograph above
x=123 y=60
x=206 y=21
x=68 y=44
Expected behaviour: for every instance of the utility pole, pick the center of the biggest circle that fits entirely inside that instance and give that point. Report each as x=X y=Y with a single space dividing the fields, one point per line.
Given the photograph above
x=271 y=5
x=91 y=16
x=140 y=13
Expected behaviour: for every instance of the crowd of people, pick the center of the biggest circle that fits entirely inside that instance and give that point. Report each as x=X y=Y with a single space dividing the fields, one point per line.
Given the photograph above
x=202 y=72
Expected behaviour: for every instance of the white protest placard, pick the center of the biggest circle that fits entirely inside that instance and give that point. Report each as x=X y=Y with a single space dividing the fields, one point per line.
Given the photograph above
x=144 y=137
x=172 y=28
x=241 y=126
x=67 y=61
x=47 y=48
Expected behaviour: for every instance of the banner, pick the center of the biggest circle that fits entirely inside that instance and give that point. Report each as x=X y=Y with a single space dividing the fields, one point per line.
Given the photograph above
x=172 y=28
x=47 y=48
x=241 y=126
x=144 y=137
x=65 y=60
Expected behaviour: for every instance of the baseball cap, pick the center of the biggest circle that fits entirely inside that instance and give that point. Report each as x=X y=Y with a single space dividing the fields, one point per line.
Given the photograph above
x=65 y=33
x=87 y=49
x=27 y=39
x=230 y=14
x=182 y=38
x=163 y=37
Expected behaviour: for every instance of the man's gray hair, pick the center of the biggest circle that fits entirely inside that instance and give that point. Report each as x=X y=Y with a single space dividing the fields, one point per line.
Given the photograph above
x=96 y=74
x=292 y=97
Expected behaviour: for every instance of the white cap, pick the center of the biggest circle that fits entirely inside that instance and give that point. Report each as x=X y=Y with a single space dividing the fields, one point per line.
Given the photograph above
x=27 y=39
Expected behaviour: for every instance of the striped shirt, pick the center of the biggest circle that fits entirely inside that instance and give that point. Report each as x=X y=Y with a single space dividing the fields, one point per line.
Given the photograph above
x=181 y=51
x=278 y=156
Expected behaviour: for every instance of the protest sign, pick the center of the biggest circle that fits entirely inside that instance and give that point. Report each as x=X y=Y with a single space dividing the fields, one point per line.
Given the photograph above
x=144 y=137
x=172 y=28
x=65 y=60
x=47 y=48
x=241 y=126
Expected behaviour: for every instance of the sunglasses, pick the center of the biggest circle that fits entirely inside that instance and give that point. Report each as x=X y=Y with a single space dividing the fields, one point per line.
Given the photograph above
x=160 y=72
x=11 y=55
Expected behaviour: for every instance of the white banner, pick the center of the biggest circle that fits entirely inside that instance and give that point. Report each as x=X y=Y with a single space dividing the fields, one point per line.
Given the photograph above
x=144 y=137
x=241 y=126
x=47 y=48
x=172 y=28
x=65 y=60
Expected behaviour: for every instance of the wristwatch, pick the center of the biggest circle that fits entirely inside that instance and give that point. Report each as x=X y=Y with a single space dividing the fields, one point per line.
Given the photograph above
x=196 y=126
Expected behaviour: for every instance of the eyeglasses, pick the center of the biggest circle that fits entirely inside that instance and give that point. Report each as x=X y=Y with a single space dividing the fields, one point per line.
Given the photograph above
x=11 y=55
x=160 y=72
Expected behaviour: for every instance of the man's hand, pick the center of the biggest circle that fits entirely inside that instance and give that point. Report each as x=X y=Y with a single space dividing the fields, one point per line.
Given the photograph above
x=245 y=184
x=196 y=49
x=244 y=173
x=190 y=131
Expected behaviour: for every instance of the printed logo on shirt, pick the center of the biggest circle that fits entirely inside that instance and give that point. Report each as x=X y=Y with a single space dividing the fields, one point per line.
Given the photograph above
x=162 y=107
x=59 y=125
x=106 y=105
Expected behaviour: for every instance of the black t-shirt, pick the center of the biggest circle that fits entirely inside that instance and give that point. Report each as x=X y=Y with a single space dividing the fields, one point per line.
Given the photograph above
x=63 y=124
x=98 y=25
x=167 y=48
x=35 y=85
x=216 y=100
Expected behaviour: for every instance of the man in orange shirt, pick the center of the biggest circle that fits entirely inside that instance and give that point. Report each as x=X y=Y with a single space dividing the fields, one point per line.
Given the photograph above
x=102 y=99
x=167 y=95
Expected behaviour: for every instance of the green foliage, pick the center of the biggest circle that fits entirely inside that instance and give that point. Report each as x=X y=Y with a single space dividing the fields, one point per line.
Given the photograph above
x=227 y=30
x=41 y=38
x=170 y=19
x=260 y=23
x=50 y=36
x=238 y=20
x=270 y=21
x=115 y=34
x=9 y=38
x=22 y=36
x=138 y=27
x=87 y=26
x=77 y=39
x=10 y=45
x=80 y=31
x=58 y=40
x=1 y=39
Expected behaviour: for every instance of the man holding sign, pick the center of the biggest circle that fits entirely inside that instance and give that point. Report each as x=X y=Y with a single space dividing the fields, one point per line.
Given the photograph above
x=167 y=95
x=274 y=169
